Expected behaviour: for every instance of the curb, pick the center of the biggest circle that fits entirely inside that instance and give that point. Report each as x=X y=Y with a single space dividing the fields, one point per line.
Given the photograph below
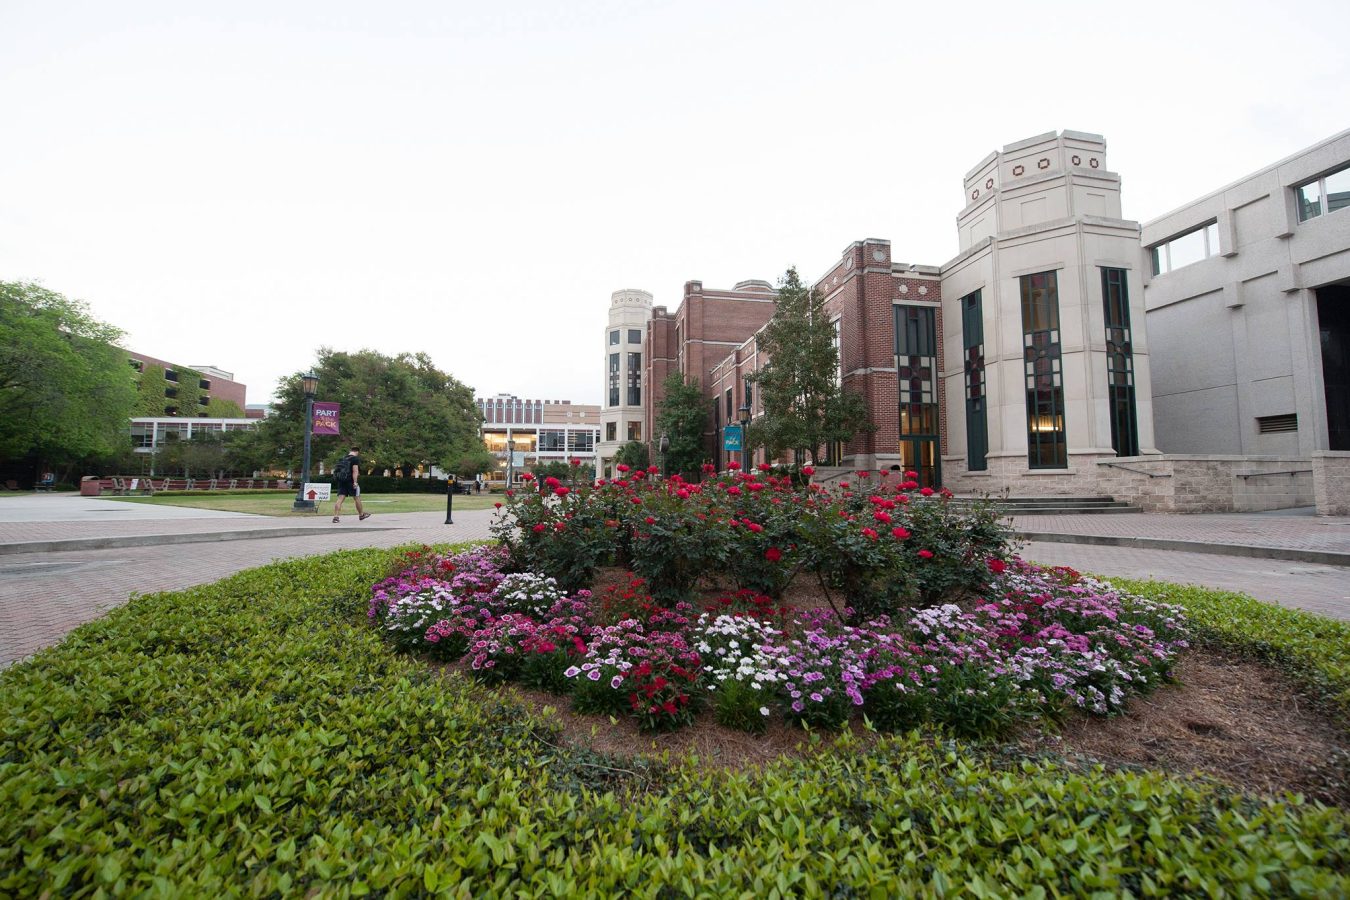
x=1323 y=557
x=154 y=540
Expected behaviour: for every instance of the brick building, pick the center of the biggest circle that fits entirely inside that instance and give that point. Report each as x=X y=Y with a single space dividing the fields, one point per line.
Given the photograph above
x=200 y=384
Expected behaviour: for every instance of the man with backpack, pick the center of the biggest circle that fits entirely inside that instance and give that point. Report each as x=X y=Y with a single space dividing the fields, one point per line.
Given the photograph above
x=346 y=476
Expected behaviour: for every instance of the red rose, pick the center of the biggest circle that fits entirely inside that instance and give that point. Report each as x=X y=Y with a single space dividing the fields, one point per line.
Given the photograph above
x=764 y=467
x=997 y=566
x=808 y=471
x=911 y=475
x=773 y=554
x=754 y=526
x=682 y=494
x=563 y=492
x=899 y=533
x=733 y=465
x=526 y=476
x=925 y=554
x=650 y=520
x=927 y=492
x=652 y=470
x=882 y=517
x=869 y=534
x=540 y=528
x=621 y=467
x=498 y=505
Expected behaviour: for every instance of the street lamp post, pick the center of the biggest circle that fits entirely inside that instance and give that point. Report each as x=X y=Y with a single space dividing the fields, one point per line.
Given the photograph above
x=745 y=433
x=665 y=446
x=310 y=382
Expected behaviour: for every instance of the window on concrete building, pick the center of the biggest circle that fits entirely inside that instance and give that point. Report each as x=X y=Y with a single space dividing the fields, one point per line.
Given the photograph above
x=635 y=431
x=1120 y=363
x=142 y=434
x=171 y=393
x=170 y=375
x=203 y=401
x=614 y=379
x=1184 y=249
x=203 y=384
x=581 y=441
x=552 y=441
x=916 y=369
x=611 y=431
x=635 y=379
x=1326 y=194
x=977 y=410
x=1047 y=439
x=614 y=338
x=634 y=335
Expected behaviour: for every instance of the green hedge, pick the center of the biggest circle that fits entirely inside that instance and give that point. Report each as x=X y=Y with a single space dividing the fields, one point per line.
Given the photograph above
x=255 y=737
x=228 y=492
x=1313 y=649
x=380 y=484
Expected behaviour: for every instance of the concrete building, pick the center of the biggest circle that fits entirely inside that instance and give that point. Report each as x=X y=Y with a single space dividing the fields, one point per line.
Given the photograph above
x=1045 y=362
x=622 y=418
x=1247 y=291
x=525 y=433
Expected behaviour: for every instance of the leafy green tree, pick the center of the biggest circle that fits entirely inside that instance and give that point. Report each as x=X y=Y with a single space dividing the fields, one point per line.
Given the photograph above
x=681 y=418
x=400 y=410
x=804 y=405
x=66 y=390
x=634 y=454
x=471 y=462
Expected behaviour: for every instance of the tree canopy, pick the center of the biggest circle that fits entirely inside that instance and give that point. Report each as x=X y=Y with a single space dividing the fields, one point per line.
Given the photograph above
x=804 y=405
x=66 y=391
x=400 y=410
x=681 y=417
x=633 y=454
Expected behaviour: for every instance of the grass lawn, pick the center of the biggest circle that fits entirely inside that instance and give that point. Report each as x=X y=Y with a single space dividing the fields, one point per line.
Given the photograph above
x=279 y=505
x=257 y=737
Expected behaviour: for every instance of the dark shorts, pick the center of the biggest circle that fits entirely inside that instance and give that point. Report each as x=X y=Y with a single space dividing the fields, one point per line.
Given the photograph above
x=347 y=489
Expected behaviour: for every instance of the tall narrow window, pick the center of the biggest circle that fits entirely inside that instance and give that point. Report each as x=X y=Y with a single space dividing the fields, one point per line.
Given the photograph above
x=614 y=379
x=635 y=379
x=977 y=410
x=1120 y=363
x=1047 y=440
x=916 y=369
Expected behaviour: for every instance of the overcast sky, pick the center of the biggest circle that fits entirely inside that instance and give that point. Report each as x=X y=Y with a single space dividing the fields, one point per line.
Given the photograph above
x=237 y=188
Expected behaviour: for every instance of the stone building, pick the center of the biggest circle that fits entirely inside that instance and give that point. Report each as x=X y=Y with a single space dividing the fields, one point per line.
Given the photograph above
x=622 y=418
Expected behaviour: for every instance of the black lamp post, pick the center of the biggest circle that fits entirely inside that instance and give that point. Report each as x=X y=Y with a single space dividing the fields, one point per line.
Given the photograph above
x=310 y=382
x=665 y=446
x=745 y=435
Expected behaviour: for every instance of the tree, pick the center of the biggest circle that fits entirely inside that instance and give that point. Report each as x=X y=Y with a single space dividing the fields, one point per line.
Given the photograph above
x=66 y=391
x=633 y=454
x=681 y=418
x=400 y=410
x=804 y=405
x=471 y=462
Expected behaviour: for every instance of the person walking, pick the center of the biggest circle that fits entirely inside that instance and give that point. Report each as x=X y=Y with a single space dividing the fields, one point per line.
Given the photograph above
x=347 y=477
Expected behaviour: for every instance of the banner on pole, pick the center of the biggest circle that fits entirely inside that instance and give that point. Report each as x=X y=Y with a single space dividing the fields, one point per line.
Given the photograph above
x=731 y=438
x=326 y=418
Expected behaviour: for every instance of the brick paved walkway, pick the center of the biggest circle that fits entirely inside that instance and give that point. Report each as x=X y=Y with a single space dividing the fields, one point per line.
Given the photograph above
x=44 y=595
x=1292 y=532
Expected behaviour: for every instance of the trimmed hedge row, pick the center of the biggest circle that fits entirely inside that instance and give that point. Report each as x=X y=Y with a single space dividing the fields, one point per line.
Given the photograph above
x=1312 y=649
x=254 y=737
x=380 y=484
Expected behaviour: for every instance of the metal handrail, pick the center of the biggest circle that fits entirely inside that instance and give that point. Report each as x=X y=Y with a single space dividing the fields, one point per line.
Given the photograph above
x=1281 y=472
x=1137 y=471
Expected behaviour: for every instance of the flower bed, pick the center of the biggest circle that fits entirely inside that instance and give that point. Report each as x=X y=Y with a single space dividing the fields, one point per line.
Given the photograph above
x=1039 y=642
x=878 y=542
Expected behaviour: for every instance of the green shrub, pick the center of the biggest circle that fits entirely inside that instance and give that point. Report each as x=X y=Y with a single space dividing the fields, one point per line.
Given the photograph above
x=255 y=737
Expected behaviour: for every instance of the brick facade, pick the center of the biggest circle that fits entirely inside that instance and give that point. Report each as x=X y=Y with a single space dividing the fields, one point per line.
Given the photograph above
x=221 y=384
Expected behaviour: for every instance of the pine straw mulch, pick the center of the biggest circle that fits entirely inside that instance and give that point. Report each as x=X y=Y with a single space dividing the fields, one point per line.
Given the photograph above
x=1233 y=719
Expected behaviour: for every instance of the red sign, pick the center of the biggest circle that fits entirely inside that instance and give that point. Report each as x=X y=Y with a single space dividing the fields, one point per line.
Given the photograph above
x=326 y=418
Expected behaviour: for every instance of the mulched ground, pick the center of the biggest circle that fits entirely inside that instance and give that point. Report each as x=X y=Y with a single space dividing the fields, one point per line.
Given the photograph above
x=1232 y=719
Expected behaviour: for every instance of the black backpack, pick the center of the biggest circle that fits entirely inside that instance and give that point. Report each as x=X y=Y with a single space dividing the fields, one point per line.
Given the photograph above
x=343 y=470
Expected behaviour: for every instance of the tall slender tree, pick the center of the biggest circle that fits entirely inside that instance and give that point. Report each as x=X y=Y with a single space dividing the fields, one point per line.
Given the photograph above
x=805 y=407
x=681 y=418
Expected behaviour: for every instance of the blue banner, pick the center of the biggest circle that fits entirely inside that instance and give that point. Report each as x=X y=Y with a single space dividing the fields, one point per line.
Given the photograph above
x=731 y=438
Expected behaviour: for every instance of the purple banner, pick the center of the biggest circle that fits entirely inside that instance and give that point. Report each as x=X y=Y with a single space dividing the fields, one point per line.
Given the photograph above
x=326 y=418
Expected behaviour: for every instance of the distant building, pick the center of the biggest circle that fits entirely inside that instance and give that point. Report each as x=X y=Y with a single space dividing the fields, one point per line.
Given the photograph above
x=537 y=431
x=622 y=416
x=186 y=390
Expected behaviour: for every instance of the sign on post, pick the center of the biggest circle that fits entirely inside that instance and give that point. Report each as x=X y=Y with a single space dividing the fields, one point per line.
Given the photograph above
x=731 y=438
x=326 y=417
x=317 y=491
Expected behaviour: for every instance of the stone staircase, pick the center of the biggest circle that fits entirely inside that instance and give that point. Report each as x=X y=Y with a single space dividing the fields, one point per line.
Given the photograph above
x=1049 y=506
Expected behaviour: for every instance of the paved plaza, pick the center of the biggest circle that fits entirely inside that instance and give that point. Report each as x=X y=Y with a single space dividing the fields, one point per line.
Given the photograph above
x=45 y=592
